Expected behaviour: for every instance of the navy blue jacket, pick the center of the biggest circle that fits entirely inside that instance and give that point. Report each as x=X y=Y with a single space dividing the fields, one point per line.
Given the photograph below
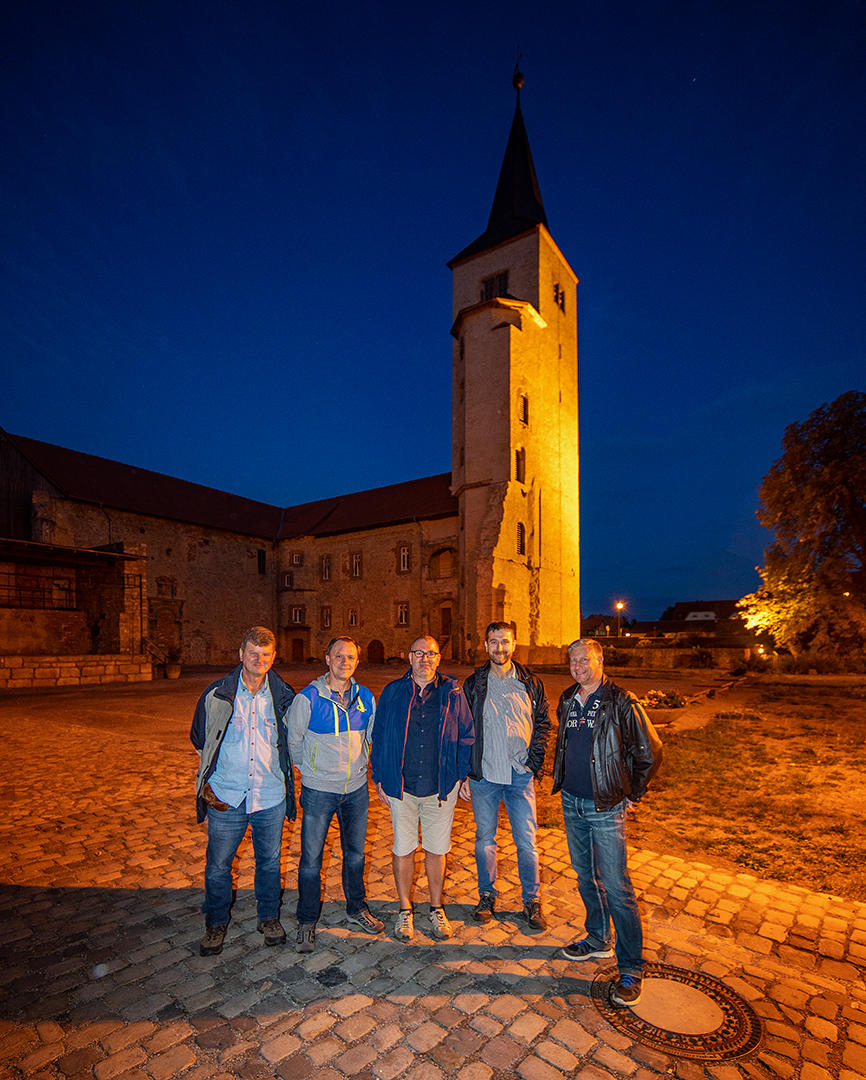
x=456 y=735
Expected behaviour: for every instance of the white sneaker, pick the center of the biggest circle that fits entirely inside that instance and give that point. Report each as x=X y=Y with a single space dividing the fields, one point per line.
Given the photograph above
x=404 y=926
x=439 y=926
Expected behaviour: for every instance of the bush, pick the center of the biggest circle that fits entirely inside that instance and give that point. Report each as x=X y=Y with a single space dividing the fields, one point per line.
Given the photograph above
x=853 y=663
x=617 y=657
x=663 y=699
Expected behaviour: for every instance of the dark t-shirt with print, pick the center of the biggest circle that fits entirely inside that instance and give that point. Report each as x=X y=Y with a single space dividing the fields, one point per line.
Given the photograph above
x=578 y=746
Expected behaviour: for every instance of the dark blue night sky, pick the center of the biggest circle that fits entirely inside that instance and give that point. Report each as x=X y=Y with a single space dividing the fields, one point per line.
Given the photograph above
x=225 y=228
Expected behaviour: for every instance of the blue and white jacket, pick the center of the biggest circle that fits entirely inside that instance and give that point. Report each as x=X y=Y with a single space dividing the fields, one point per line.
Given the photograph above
x=330 y=743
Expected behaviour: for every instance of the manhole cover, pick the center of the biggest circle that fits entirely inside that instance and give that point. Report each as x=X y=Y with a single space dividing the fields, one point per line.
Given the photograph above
x=684 y=1013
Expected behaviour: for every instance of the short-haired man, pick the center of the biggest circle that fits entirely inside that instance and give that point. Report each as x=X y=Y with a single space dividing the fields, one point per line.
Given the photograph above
x=512 y=729
x=607 y=751
x=329 y=732
x=245 y=778
x=419 y=760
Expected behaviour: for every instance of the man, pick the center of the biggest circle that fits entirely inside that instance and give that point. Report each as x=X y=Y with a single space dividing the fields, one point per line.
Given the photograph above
x=512 y=729
x=607 y=751
x=419 y=760
x=244 y=779
x=329 y=731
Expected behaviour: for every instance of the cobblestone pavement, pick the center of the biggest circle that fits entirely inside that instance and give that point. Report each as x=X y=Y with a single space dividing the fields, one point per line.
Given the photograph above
x=102 y=867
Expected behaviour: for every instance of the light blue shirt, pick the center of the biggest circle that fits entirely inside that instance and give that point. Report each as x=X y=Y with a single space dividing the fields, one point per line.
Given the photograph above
x=248 y=766
x=507 y=728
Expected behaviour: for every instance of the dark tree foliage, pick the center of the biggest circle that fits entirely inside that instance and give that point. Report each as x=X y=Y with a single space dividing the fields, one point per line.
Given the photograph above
x=814 y=500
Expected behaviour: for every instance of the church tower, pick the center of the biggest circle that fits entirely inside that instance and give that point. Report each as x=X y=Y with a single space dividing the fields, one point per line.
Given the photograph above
x=515 y=421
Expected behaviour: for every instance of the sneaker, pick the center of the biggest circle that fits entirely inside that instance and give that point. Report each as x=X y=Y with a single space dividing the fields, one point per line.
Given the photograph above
x=533 y=915
x=440 y=928
x=273 y=931
x=367 y=921
x=627 y=990
x=212 y=942
x=485 y=908
x=306 y=939
x=404 y=925
x=582 y=950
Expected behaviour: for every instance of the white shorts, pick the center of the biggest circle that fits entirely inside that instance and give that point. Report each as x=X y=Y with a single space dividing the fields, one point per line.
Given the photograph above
x=434 y=817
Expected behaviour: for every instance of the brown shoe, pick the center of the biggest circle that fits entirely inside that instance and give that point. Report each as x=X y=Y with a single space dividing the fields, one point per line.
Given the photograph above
x=273 y=931
x=212 y=942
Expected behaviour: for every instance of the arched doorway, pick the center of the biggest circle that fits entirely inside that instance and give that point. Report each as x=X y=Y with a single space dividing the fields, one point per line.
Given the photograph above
x=375 y=652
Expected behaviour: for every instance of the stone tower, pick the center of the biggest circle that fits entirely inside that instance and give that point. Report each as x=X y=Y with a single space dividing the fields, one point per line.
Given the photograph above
x=515 y=421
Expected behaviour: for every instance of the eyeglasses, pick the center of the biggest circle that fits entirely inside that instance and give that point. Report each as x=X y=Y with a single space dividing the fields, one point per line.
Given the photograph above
x=421 y=655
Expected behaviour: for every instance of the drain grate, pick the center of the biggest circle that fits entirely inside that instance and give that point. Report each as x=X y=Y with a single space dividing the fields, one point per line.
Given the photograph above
x=683 y=1013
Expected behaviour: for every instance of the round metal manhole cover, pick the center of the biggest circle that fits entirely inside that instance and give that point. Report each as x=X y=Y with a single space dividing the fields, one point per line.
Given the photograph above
x=684 y=1013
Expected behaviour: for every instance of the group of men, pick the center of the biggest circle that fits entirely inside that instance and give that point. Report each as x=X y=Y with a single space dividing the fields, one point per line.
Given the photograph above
x=427 y=743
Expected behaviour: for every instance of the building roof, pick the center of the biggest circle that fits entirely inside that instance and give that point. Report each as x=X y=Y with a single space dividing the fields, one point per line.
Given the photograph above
x=92 y=479
x=87 y=478
x=517 y=205
x=703 y=609
x=412 y=500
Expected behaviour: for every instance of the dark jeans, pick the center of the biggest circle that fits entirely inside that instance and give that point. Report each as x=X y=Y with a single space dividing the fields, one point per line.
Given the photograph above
x=319 y=808
x=596 y=844
x=225 y=830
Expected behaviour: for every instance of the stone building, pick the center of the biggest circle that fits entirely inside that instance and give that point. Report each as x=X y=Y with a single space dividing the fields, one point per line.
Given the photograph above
x=497 y=538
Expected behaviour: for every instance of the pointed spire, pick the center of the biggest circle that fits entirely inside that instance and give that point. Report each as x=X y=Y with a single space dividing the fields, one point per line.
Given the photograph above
x=517 y=204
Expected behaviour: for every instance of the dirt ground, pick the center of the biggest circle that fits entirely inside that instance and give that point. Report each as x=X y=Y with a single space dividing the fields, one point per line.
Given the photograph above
x=762 y=778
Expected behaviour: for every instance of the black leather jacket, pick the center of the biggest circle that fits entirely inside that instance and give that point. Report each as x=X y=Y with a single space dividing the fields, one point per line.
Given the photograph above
x=475 y=689
x=626 y=749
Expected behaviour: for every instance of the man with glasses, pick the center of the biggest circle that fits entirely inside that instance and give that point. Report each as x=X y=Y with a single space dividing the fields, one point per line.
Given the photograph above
x=329 y=734
x=512 y=729
x=607 y=751
x=419 y=760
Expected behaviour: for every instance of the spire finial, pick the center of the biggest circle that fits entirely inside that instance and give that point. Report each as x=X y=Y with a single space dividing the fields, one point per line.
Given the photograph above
x=517 y=78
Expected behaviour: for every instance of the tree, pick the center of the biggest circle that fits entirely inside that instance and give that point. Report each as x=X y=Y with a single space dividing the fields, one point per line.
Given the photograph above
x=814 y=500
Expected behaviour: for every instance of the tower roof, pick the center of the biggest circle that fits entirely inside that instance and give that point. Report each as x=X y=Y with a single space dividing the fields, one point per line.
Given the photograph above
x=517 y=205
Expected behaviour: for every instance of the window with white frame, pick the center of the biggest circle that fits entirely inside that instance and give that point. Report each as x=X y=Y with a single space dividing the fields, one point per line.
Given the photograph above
x=357 y=564
x=405 y=559
x=325 y=567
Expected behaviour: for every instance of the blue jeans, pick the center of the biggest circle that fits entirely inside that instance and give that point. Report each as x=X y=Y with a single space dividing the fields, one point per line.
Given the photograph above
x=519 y=799
x=225 y=830
x=596 y=844
x=319 y=808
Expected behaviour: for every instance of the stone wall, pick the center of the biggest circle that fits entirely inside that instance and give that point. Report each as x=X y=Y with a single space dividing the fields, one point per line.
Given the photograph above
x=28 y=632
x=669 y=659
x=201 y=588
x=23 y=671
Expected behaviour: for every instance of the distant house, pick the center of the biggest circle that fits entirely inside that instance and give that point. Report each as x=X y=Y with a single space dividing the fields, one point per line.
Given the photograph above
x=687 y=617
x=595 y=625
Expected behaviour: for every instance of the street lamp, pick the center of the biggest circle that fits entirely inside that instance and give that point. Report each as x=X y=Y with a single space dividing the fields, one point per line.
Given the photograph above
x=619 y=606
